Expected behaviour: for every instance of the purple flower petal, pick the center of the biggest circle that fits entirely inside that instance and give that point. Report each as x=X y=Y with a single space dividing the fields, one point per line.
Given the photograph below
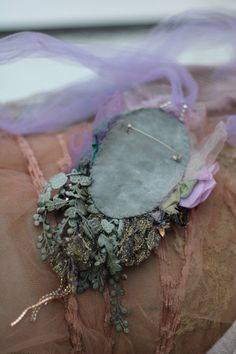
x=202 y=189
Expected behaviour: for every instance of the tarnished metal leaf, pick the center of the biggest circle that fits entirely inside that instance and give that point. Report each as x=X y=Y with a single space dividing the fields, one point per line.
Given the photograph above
x=85 y=181
x=58 y=180
x=107 y=226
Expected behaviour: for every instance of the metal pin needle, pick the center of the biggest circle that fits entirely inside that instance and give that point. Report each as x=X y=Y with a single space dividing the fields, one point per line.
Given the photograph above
x=176 y=157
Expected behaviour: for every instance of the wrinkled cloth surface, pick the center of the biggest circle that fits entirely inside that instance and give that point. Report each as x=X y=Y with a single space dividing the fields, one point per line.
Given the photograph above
x=182 y=299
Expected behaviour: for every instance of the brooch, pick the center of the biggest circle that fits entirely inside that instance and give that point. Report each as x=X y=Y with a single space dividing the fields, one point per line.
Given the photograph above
x=113 y=210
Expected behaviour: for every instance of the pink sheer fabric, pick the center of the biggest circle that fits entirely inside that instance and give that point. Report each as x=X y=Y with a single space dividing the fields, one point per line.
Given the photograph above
x=182 y=299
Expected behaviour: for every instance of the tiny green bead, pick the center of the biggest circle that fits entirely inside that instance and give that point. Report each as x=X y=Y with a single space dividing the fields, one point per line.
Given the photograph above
x=36 y=223
x=124 y=311
x=70 y=231
x=35 y=217
x=125 y=323
x=43 y=257
x=40 y=238
x=126 y=330
x=118 y=328
x=41 y=210
x=39 y=245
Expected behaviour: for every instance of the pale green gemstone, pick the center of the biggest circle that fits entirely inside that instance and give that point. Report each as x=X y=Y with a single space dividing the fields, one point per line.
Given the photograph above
x=58 y=180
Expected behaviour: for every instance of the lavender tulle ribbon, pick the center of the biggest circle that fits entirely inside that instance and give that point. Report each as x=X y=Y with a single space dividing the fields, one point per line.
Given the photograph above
x=202 y=189
x=116 y=70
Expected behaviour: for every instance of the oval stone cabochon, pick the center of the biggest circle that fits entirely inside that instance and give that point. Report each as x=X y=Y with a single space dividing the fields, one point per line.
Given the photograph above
x=132 y=174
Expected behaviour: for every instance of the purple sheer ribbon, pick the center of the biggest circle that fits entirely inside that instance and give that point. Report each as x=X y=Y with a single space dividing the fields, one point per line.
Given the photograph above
x=115 y=69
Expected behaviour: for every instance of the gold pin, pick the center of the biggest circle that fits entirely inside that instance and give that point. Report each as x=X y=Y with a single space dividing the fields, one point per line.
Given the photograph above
x=162 y=232
x=176 y=156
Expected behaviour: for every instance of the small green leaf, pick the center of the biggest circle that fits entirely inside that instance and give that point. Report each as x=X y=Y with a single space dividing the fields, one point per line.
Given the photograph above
x=125 y=322
x=186 y=188
x=85 y=181
x=124 y=311
x=58 y=202
x=45 y=197
x=81 y=207
x=95 y=226
x=58 y=180
x=50 y=205
x=39 y=245
x=92 y=209
x=114 y=265
x=170 y=204
x=107 y=226
x=72 y=222
x=74 y=179
x=71 y=212
x=44 y=257
x=40 y=238
x=118 y=328
x=103 y=241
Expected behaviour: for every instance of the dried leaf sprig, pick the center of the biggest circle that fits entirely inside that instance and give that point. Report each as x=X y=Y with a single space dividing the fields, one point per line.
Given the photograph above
x=87 y=249
x=79 y=242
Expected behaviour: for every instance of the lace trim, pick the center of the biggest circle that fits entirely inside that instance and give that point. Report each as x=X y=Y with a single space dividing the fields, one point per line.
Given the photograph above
x=32 y=164
x=171 y=305
x=65 y=162
x=74 y=324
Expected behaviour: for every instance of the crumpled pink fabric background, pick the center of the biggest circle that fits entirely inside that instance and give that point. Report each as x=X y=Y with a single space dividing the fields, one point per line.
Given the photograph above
x=182 y=299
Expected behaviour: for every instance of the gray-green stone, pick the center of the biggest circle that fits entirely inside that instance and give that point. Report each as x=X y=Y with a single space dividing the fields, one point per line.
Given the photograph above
x=58 y=180
x=132 y=174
